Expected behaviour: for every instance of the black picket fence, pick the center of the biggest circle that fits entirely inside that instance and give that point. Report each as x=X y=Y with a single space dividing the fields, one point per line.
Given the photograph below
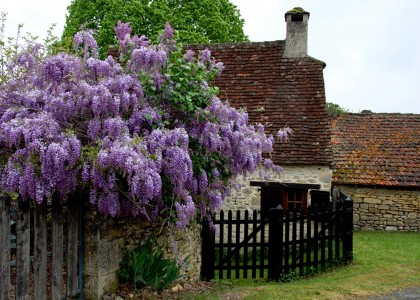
x=244 y=245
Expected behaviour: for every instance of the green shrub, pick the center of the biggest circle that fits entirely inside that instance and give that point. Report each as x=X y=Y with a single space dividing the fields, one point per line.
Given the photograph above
x=146 y=267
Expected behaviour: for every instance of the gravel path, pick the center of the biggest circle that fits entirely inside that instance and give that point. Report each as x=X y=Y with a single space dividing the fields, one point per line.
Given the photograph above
x=404 y=294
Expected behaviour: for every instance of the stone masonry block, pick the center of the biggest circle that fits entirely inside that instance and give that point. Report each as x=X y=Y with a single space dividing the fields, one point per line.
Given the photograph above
x=364 y=205
x=372 y=200
x=387 y=202
x=412 y=215
x=110 y=257
x=96 y=286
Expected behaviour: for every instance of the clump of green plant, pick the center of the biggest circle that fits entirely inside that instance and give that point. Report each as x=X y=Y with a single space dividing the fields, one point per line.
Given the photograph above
x=290 y=276
x=146 y=267
x=335 y=110
x=297 y=10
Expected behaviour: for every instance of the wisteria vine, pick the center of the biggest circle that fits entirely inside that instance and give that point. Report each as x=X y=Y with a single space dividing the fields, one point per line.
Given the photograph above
x=144 y=134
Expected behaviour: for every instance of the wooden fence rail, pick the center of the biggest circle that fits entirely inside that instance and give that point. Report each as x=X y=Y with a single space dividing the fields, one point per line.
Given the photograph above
x=32 y=267
x=286 y=241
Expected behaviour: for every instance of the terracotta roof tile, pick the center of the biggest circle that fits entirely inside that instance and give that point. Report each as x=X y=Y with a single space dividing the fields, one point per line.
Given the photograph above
x=377 y=149
x=278 y=92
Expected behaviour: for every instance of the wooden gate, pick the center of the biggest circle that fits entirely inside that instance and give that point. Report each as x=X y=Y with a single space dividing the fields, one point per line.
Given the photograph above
x=287 y=241
x=40 y=245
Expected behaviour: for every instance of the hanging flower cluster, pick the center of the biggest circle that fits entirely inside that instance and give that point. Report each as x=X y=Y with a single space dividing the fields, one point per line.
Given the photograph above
x=145 y=135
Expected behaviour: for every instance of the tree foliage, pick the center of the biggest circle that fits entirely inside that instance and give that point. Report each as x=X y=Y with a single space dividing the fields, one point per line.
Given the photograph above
x=145 y=136
x=204 y=21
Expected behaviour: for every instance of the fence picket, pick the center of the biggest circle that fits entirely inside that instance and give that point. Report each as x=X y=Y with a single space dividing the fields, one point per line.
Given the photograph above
x=287 y=243
x=57 y=249
x=294 y=239
x=330 y=236
x=40 y=253
x=5 y=244
x=309 y=236
x=316 y=235
x=245 y=260
x=23 y=227
x=281 y=258
x=254 y=245
x=222 y=240
x=301 y=240
x=237 y=242
x=229 y=244
x=323 y=233
x=72 y=239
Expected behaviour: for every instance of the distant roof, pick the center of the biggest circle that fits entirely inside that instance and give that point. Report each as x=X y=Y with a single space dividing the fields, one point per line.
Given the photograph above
x=377 y=149
x=278 y=92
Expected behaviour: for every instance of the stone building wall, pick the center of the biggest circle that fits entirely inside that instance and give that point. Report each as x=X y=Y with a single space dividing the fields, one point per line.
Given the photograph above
x=249 y=197
x=106 y=241
x=385 y=209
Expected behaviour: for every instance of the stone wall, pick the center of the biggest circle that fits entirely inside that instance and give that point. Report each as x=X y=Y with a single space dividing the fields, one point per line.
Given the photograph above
x=106 y=241
x=385 y=209
x=249 y=197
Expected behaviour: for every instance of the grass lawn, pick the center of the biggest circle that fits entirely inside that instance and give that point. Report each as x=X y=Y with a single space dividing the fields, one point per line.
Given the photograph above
x=383 y=261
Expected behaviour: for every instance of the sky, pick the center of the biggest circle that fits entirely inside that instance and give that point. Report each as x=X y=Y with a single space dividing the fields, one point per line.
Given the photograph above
x=371 y=47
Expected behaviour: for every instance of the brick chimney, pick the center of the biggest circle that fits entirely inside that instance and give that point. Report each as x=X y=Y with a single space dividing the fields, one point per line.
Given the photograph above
x=296 y=33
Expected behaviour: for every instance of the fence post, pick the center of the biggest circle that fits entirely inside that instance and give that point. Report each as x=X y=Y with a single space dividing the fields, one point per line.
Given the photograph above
x=207 y=251
x=348 y=229
x=274 y=239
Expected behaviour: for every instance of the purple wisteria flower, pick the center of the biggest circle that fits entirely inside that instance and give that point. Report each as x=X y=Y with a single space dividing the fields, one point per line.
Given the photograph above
x=168 y=33
x=122 y=30
x=185 y=212
x=189 y=56
x=283 y=134
x=115 y=129
x=89 y=44
x=205 y=56
x=147 y=59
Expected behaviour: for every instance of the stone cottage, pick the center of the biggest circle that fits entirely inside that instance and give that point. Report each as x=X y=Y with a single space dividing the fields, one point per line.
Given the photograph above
x=280 y=85
x=377 y=163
